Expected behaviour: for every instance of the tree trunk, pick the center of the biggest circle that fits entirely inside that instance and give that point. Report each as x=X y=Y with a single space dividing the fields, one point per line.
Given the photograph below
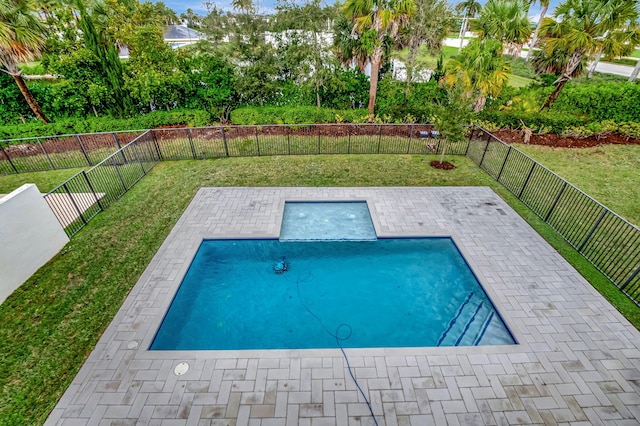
x=555 y=93
x=634 y=73
x=478 y=105
x=411 y=60
x=318 y=94
x=463 y=30
x=534 y=40
x=593 y=66
x=376 y=60
x=28 y=96
x=572 y=64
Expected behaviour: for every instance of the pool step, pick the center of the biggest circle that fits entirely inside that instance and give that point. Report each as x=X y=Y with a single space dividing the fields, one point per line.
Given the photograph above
x=470 y=323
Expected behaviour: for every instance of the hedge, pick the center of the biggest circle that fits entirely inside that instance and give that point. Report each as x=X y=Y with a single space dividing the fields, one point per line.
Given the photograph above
x=107 y=124
x=619 y=102
x=295 y=115
x=540 y=122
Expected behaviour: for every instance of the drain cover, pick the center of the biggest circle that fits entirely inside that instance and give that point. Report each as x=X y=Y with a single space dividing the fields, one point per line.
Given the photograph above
x=132 y=344
x=181 y=369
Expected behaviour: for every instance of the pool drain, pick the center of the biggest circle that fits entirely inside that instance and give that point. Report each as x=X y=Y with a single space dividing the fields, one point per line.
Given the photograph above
x=181 y=369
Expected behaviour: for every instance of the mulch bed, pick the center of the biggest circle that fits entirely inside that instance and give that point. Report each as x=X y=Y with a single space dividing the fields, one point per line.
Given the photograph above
x=517 y=136
x=445 y=165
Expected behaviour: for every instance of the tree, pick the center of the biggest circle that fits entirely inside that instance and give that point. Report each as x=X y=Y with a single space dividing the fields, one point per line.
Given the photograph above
x=383 y=19
x=579 y=30
x=350 y=47
x=469 y=9
x=111 y=69
x=429 y=27
x=451 y=117
x=213 y=79
x=534 y=40
x=156 y=77
x=506 y=21
x=21 y=40
x=480 y=71
x=623 y=41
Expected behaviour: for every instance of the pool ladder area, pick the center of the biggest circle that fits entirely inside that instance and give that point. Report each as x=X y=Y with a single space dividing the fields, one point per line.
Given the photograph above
x=469 y=324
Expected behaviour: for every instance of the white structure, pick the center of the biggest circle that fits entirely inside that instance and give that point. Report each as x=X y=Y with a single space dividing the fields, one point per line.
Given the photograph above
x=30 y=235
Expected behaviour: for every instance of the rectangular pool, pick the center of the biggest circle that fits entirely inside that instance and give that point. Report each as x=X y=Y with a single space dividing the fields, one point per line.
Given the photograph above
x=268 y=294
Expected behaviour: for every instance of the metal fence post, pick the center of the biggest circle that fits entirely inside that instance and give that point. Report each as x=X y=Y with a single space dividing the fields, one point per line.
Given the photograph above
x=318 y=133
x=80 y=215
x=506 y=157
x=379 y=137
x=46 y=155
x=486 y=148
x=84 y=151
x=527 y=180
x=349 y=139
x=86 y=177
x=257 y=141
x=628 y=281
x=410 y=139
x=124 y=185
x=593 y=229
x=156 y=144
x=224 y=142
x=555 y=202
x=13 y=166
x=288 y=140
x=466 y=152
x=193 y=148
x=115 y=138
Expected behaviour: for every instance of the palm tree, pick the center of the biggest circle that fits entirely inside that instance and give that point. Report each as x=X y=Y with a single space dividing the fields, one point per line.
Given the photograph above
x=623 y=41
x=507 y=21
x=380 y=20
x=350 y=48
x=480 y=69
x=579 y=30
x=429 y=27
x=534 y=40
x=469 y=9
x=21 y=40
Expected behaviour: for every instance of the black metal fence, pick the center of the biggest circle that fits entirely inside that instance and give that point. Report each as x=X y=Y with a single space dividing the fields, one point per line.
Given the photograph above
x=80 y=198
x=609 y=242
x=239 y=141
x=60 y=152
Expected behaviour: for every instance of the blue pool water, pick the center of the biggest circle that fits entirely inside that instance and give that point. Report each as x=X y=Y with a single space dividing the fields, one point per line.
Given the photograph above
x=385 y=293
x=327 y=221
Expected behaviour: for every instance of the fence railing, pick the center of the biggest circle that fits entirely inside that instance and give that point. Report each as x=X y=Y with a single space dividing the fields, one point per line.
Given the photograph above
x=60 y=152
x=80 y=198
x=609 y=242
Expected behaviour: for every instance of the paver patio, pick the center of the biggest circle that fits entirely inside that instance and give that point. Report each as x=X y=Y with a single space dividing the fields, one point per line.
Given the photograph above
x=577 y=361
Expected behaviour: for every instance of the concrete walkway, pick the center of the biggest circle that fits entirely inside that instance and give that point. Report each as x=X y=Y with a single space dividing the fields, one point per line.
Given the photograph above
x=576 y=362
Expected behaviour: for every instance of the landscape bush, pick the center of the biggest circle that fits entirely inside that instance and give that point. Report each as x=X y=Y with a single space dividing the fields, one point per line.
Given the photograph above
x=295 y=115
x=608 y=101
x=539 y=122
x=107 y=124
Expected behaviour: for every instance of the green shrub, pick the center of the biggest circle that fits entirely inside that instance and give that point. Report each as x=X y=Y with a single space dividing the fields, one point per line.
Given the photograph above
x=294 y=115
x=107 y=124
x=618 y=102
x=544 y=122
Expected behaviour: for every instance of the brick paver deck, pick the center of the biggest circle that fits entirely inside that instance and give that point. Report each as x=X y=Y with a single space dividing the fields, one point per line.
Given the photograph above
x=576 y=362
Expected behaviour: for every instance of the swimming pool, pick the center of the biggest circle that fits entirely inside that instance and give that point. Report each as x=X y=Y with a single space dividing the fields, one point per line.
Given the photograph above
x=271 y=294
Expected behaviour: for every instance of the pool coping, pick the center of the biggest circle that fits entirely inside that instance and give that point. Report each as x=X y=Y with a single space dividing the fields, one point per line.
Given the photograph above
x=572 y=345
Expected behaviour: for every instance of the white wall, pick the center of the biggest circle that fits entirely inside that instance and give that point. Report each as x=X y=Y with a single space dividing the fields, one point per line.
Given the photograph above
x=30 y=235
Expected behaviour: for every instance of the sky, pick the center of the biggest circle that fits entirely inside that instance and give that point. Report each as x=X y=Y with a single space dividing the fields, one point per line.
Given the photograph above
x=269 y=5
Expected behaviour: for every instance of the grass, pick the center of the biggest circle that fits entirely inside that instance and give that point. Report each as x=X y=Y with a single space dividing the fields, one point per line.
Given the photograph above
x=518 y=81
x=608 y=173
x=49 y=325
x=45 y=181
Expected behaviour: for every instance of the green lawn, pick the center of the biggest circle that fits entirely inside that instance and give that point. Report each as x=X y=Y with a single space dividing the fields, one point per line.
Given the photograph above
x=609 y=173
x=49 y=326
x=45 y=181
x=518 y=81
